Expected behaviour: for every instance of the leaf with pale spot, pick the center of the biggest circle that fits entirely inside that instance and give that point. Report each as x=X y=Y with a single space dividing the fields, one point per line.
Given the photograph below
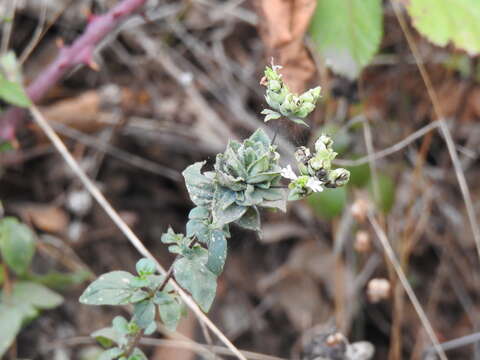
x=112 y=288
x=194 y=276
x=217 y=251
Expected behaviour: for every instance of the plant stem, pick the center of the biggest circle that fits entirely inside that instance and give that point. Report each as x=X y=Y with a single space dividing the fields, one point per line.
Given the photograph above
x=132 y=344
x=80 y=52
x=168 y=276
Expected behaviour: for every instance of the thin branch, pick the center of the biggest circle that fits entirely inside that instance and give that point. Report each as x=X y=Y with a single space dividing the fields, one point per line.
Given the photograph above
x=406 y=285
x=8 y=25
x=120 y=223
x=79 y=53
x=457 y=165
x=391 y=149
x=116 y=152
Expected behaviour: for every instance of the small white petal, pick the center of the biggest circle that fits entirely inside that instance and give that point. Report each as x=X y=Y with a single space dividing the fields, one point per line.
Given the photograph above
x=288 y=173
x=315 y=185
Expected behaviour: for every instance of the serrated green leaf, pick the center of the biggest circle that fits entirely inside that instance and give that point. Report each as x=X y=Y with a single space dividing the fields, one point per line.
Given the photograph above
x=347 y=33
x=193 y=275
x=170 y=309
x=17 y=244
x=444 y=21
x=144 y=313
x=113 y=288
x=217 y=251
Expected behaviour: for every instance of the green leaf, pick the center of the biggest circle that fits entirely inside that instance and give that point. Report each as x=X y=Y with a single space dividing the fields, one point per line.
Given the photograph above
x=444 y=21
x=120 y=325
x=145 y=267
x=17 y=244
x=170 y=309
x=137 y=355
x=106 y=337
x=36 y=295
x=144 y=313
x=217 y=251
x=111 y=354
x=10 y=325
x=199 y=186
x=20 y=307
x=113 y=288
x=60 y=281
x=328 y=203
x=13 y=93
x=193 y=275
x=250 y=220
x=347 y=33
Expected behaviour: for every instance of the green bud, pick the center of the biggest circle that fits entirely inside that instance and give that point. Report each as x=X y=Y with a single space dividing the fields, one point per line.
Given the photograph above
x=145 y=267
x=275 y=85
x=338 y=177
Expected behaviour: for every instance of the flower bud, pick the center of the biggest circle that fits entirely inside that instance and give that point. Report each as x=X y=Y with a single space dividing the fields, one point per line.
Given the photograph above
x=339 y=177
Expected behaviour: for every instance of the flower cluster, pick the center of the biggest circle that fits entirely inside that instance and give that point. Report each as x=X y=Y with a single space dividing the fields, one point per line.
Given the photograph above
x=283 y=101
x=315 y=170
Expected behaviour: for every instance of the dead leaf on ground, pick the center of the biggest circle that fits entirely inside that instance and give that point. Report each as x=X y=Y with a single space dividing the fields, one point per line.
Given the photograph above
x=282 y=27
x=48 y=218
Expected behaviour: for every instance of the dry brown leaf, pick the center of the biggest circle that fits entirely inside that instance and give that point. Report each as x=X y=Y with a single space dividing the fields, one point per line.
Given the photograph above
x=282 y=27
x=48 y=218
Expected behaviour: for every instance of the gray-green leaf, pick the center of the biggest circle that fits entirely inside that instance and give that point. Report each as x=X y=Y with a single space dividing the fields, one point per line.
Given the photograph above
x=170 y=309
x=193 y=275
x=112 y=288
x=17 y=244
x=217 y=251
x=144 y=313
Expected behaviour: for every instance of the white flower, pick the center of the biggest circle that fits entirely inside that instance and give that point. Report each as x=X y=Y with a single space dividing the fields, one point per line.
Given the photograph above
x=314 y=184
x=288 y=173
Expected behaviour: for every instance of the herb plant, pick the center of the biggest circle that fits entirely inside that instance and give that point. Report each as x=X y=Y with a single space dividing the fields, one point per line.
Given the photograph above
x=245 y=178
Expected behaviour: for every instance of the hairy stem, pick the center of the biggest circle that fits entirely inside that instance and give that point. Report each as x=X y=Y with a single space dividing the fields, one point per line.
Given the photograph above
x=79 y=53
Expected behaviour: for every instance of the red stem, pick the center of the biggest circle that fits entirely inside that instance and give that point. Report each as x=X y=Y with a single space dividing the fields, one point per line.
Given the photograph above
x=80 y=52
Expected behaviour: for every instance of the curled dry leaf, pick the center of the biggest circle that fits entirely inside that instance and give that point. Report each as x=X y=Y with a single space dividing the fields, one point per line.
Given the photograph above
x=282 y=27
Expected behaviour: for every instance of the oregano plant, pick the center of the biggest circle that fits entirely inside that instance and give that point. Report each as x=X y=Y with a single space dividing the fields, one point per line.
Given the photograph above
x=246 y=177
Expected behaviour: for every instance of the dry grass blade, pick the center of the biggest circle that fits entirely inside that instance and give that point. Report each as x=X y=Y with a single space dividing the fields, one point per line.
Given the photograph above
x=406 y=285
x=462 y=182
x=115 y=217
x=391 y=149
